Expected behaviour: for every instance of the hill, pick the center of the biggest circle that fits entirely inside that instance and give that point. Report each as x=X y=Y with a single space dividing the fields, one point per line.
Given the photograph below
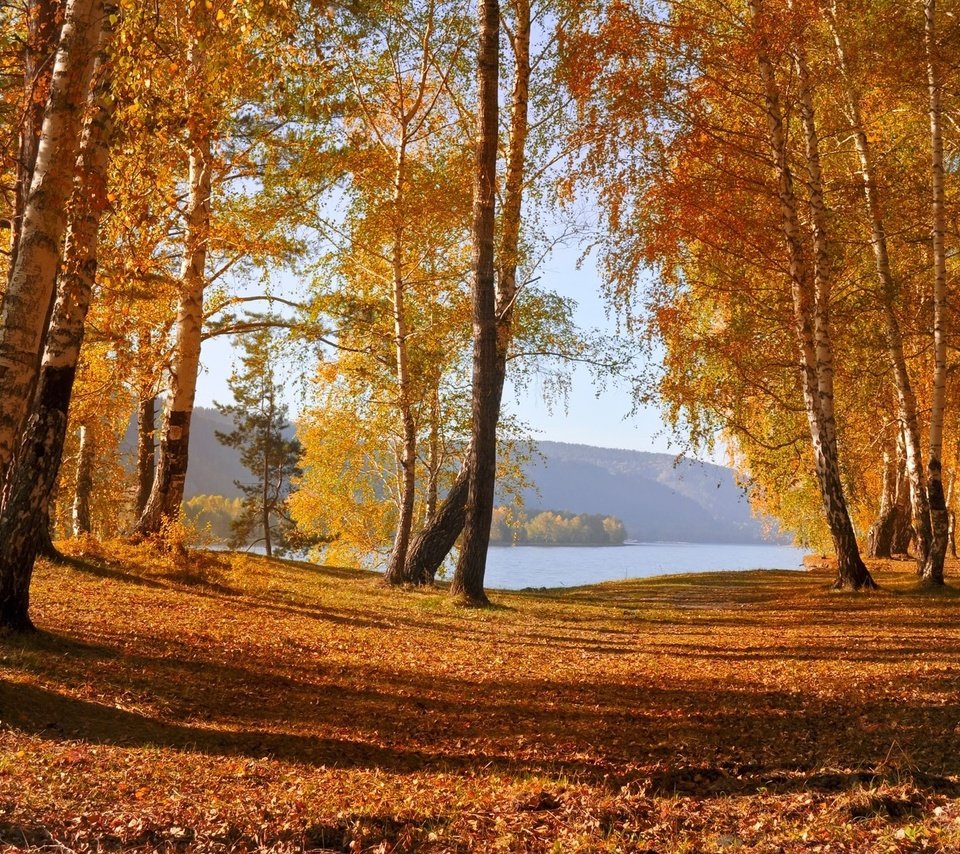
x=659 y=497
x=286 y=707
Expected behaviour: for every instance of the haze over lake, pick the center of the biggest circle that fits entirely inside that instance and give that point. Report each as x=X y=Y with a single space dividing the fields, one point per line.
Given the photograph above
x=513 y=568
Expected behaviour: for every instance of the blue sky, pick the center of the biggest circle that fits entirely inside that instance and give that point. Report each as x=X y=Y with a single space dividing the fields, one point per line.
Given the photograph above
x=588 y=418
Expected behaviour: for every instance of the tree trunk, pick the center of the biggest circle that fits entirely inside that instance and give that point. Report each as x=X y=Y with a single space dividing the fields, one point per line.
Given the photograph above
x=903 y=532
x=265 y=493
x=932 y=568
x=951 y=516
x=813 y=343
x=146 y=452
x=28 y=299
x=38 y=52
x=888 y=290
x=482 y=463
x=435 y=463
x=84 y=483
x=397 y=565
x=24 y=520
x=434 y=543
x=166 y=496
x=880 y=538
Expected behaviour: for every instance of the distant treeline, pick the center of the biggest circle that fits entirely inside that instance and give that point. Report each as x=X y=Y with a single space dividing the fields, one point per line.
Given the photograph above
x=556 y=528
x=213 y=515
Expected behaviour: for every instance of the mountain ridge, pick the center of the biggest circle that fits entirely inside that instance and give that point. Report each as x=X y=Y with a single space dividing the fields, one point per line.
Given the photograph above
x=659 y=497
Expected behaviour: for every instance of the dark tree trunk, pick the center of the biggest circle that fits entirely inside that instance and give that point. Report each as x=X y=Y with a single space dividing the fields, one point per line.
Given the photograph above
x=429 y=549
x=482 y=462
x=146 y=452
x=431 y=546
x=31 y=481
x=45 y=547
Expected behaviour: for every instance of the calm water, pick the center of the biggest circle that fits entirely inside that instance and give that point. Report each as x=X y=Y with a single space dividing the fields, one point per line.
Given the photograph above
x=513 y=568
x=566 y=566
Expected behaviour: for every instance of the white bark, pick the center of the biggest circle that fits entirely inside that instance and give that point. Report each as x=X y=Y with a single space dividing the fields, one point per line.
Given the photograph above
x=888 y=290
x=932 y=569
x=27 y=301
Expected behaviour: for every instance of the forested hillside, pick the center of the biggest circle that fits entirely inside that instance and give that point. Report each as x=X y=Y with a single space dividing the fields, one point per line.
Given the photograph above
x=659 y=497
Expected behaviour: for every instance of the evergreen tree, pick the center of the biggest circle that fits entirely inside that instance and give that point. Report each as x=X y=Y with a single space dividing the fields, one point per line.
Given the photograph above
x=260 y=434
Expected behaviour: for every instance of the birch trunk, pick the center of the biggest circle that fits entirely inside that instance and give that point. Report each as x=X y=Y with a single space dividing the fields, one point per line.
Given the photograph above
x=84 y=483
x=434 y=543
x=29 y=296
x=32 y=478
x=880 y=538
x=485 y=410
x=146 y=452
x=851 y=571
x=38 y=51
x=396 y=566
x=906 y=399
x=265 y=490
x=932 y=568
x=166 y=496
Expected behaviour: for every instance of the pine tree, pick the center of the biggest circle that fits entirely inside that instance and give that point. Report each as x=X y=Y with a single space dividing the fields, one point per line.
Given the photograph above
x=260 y=434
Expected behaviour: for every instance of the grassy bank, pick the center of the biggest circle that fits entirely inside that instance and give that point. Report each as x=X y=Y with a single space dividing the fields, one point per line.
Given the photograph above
x=253 y=704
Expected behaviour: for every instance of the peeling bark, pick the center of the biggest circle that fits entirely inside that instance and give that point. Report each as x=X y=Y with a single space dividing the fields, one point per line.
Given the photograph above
x=25 y=515
x=29 y=296
x=810 y=320
x=887 y=293
x=166 y=496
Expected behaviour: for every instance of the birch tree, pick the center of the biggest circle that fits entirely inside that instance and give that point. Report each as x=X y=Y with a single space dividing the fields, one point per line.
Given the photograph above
x=32 y=477
x=29 y=295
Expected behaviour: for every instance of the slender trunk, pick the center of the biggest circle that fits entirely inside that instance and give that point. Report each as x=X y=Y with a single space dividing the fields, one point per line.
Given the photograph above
x=38 y=52
x=396 y=567
x=265 y=493
x=435 y=464
x=932 y=568
x=907 y=403
x=167 y=493
x=24 y=520
x=851 y=571
x=880 y=538
x=84 y=483
x=434 y=543
x=485 y=410
x=903 y=533
x=29 y=295
x=951 y=516
x=146 y=452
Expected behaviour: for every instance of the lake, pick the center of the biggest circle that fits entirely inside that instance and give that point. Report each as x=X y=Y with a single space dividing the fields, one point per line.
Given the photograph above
x=513 y=568
x=516 y=567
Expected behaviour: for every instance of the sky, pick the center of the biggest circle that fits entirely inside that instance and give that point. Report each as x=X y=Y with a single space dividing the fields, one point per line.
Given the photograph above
x=589 y=418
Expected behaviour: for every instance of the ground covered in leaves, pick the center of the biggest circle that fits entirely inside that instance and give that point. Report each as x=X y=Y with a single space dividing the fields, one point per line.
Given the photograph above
x=242 y=704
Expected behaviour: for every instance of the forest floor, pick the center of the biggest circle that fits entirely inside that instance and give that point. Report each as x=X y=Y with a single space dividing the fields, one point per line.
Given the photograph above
x=249 y=705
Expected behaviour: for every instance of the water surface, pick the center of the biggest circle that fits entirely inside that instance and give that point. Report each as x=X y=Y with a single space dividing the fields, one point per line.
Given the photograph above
x=513 y=568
